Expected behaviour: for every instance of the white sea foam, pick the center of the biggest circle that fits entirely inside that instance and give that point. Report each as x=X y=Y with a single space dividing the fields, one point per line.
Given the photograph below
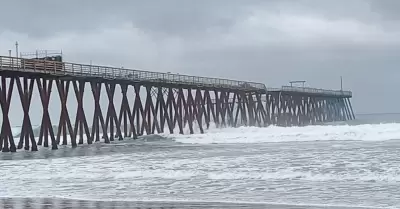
x=366 y=132
x=306 y=176
x=83 y=169
x=352 y=172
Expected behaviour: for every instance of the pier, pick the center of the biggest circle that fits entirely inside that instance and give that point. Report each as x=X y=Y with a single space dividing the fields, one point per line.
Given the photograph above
x=151 y=103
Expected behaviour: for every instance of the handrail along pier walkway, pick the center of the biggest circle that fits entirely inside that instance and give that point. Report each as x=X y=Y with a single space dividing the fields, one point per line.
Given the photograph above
x=111 y=73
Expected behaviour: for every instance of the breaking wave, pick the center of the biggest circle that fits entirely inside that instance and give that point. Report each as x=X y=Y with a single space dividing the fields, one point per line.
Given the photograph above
x=365 y=132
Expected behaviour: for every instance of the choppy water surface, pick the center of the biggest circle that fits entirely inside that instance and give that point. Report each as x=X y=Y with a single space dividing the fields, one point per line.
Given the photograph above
x=307 y=167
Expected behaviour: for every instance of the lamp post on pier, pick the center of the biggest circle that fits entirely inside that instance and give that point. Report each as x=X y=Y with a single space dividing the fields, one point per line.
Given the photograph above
x=341 y=83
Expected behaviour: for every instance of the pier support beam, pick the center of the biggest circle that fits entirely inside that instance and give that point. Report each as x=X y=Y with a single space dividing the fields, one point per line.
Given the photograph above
x=6 y=137
x=25 y=94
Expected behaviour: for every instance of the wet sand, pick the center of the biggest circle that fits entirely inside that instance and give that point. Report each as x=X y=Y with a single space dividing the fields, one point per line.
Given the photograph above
x=47 y=203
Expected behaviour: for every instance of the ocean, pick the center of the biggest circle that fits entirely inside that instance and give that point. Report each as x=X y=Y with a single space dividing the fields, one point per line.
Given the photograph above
x=353 y=164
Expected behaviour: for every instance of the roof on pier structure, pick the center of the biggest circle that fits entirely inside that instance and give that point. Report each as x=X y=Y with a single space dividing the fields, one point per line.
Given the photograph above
x=74 y=71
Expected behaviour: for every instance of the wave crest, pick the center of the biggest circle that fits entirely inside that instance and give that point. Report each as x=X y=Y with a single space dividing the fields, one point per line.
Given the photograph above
x=366 y=132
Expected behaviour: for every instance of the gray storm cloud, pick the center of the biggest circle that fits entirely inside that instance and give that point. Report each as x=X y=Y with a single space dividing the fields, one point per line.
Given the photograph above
x=266 y=41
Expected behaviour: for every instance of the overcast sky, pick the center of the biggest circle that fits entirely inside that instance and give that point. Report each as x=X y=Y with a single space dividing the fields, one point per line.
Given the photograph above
x=269 y=41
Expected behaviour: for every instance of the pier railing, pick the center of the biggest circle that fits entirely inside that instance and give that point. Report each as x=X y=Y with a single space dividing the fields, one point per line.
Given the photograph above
x=111 y=73
x=317 y=91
